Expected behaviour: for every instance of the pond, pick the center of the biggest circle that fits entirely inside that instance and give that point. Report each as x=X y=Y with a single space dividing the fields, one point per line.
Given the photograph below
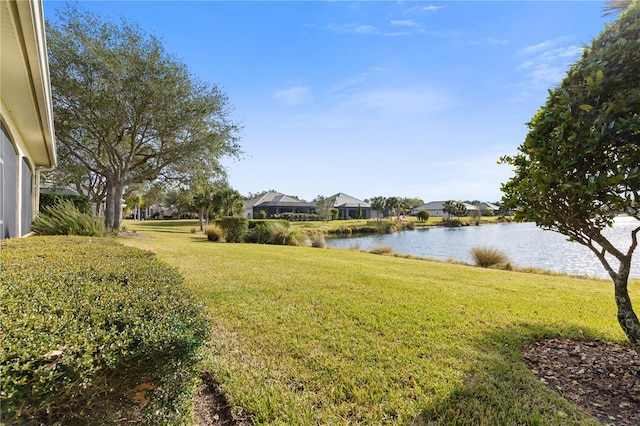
x=524 y=243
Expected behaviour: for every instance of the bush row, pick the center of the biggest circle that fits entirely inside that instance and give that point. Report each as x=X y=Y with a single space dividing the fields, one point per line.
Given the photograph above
x=93 y=331
x=238 y=229
x=81 y=202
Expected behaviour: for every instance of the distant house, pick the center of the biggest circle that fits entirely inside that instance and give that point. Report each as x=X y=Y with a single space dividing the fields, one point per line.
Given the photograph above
x=348 y=206
x=485 y=208
x=275 y=203
x=436 y=209
x=27 y=143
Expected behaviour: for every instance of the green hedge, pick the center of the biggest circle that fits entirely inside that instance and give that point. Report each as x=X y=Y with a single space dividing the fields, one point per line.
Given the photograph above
x=81 y=202
x=235 y=228
x=94 y=332
x=260 y=222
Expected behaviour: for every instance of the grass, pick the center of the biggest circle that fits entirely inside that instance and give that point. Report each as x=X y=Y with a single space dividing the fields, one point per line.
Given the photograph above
x=487 y=257
x=306 y=336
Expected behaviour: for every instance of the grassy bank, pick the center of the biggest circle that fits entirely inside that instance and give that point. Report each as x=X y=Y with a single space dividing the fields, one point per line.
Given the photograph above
x=324 y=336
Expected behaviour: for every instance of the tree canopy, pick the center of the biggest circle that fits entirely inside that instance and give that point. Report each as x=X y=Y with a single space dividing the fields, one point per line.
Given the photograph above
x=127 y=112
x=579 y=165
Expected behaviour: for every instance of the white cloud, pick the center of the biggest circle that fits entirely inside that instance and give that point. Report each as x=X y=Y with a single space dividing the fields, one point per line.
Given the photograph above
x=363 y=29
x=546 y=63
x=530 y=50
x=404 y=23
x=432 y=8
x=495 y=40
x=293 y=95
x=396 y=101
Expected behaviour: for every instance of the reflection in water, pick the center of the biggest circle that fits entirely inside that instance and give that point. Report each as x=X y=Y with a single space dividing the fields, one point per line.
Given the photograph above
x=524 y=243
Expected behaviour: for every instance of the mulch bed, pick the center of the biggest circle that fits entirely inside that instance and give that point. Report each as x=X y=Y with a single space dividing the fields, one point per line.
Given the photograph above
x=601 y=378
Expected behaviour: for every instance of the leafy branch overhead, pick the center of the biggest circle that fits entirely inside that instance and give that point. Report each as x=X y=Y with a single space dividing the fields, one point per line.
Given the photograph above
x=579 y=165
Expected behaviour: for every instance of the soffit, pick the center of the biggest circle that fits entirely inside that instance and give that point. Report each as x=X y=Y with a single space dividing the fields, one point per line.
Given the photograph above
x=23 y=80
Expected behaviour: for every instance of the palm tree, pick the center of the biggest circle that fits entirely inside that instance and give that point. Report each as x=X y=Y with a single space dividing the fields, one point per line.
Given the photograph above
x=616 y=6
x=393 y=204
x=378 y=203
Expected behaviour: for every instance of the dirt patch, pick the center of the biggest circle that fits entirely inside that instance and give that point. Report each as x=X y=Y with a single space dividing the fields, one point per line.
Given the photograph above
x=601 y=378
x=212 y=407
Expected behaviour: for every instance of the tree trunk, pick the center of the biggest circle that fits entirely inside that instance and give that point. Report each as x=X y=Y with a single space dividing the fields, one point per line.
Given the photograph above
x=117 y=206
x=627 y=318
x=201 y=217
x=108 y=214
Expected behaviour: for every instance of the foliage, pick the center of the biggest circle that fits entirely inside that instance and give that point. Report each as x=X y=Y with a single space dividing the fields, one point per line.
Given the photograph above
x=335 y=214
x=487 y=257
x=423 y=215
x=235 y=228
x=227 y=201
x=215 y=233
x=63 y=218
x=81 y=202
x=126 y=111
x=318 y=241
x=280 y=235
x=381 y=249
x=378 y=204
x=259 y=234
x=323 y=207
x=297 y=217
x=94 y=332
x=579 y=164
x=451 y=223
x=454 y=208
x=393 y=204
x=259 y=222
x=261 y=215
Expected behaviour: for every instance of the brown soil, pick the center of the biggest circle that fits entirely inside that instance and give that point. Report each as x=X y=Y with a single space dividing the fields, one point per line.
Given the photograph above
x=212 y=408
x=601 y=378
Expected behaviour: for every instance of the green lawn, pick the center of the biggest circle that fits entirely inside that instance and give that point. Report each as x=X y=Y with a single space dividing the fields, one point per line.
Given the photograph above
x=322 y=336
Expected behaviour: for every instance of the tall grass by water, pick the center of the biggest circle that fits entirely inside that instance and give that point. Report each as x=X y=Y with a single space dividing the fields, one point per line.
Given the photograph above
x=306 y=336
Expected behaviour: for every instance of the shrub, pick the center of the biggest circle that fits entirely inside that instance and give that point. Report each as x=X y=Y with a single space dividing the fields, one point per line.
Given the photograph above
x=81 y=202
x=279 y=234
x=381 y=249
x=63 y=218
x=487 y=257
x=282 y=236
x=258 y=222
x=258 y=234
x=318 y=241
x=94 y=332
x=261 y=215
x=215 y=233
x=235 y=228
x=423 y=215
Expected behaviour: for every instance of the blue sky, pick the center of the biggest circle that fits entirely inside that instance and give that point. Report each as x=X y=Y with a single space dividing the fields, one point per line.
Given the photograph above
x=405 y=98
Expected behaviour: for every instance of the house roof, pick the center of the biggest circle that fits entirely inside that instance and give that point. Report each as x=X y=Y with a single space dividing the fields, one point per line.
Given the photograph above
x=344 y=200
x=488 y=206
x=275 y=199
x=24 y=78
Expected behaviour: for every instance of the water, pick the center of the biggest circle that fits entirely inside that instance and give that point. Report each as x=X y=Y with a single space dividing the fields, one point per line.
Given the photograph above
x=524 y=243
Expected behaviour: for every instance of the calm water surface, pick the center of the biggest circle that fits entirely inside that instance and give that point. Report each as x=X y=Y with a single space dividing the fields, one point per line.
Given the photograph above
x=524 y=243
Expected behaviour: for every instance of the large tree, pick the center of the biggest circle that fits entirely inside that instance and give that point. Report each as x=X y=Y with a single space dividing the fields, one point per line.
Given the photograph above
x=579 y=165
x=127 y=111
